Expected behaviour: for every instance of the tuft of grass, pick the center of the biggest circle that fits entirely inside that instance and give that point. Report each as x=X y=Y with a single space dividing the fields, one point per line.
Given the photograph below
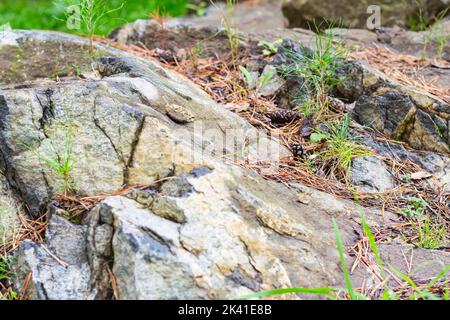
x=341 y=147
x=418 y=22
x=317 y=70
x=194 y=54
x=5 y=274
x=340 y=247
x=430 y=235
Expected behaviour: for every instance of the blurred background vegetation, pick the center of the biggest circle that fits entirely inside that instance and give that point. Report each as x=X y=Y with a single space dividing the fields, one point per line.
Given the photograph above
x=45 y=14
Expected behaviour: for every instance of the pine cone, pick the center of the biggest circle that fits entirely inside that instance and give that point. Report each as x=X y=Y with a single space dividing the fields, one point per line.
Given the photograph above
x=297 y=150
x=166 y=56
x=281 y=116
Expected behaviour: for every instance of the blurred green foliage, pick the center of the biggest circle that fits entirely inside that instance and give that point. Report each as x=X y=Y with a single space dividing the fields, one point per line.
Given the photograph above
x=45 y=14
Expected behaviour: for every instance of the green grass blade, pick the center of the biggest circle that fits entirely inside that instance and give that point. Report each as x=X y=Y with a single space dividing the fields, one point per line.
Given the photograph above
x=408 y=280
x=325 y=291
x=340 y=246
x=373 y=245
x=440 y=275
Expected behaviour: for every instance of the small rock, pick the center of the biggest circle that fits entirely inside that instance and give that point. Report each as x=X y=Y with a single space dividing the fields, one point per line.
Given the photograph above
x=179 y=114
x=167 y=208
x=177 y=187
x=370 y=174
x=143 y=197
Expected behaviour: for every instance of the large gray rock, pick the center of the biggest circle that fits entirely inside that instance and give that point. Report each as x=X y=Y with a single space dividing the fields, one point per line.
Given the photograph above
x=400 y=112
x=197 y=226
x=209 y=234
x=132 y=124
x=353 y=13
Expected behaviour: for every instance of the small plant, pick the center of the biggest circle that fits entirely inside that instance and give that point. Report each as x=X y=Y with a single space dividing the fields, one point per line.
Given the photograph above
x=91 y=15
x=265 y=78
x=72 y=70
x=415 y=207
x=309 y=163
x=270 y=48
x=248 y=78
x=341 y=147
x=60 y=162
x=308 y=107
x=418 y=22
x=255 y=82
x=5 y=28
x=231 y=30
x=194 y=54
x=4 y=268
x=430 y=236
x=5 y=276
x=160 y=15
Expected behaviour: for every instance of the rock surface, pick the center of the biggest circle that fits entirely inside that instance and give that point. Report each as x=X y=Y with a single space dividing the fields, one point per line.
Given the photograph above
x=432 y=43
x=354 y=13
x=247 y=17
x=134 y=124
x=9 y=221
x=192 y=224
x=60 y=269
x=218 y=234
x=434 y=163
x=208 y=230
x=370 y=174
